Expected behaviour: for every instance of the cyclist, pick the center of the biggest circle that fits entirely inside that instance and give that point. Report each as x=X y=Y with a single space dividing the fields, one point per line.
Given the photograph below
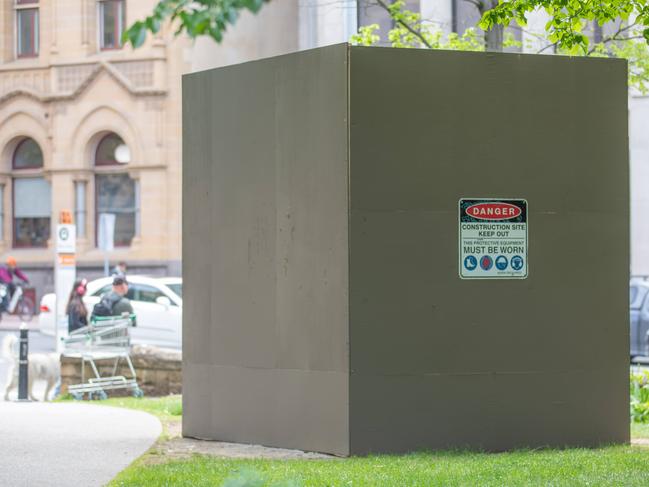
x=7 y=274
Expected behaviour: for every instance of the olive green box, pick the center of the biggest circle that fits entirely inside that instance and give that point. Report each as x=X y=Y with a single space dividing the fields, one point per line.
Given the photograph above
x=323 y=308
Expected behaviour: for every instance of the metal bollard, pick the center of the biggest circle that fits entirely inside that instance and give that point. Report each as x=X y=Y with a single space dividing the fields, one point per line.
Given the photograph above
x=23 y=364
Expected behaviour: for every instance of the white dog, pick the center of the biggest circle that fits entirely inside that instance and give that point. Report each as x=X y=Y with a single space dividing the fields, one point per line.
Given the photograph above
x=42 y=366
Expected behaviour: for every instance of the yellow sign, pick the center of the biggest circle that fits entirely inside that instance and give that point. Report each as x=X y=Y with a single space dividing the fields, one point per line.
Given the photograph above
x=66 y=259
x=65 y=216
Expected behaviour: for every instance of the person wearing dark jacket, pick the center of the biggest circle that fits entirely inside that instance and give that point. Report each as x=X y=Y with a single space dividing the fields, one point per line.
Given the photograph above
x=76 y=310
x=115 y=302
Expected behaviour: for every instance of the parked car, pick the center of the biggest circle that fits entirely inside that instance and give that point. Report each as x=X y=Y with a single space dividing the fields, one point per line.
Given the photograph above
x=639 y=310
x=157 y=303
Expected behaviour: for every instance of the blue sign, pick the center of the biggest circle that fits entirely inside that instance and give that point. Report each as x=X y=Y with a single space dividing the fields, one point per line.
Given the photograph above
x=470 y=262
x=486 y=262
x=501 y=262
x=517 y=262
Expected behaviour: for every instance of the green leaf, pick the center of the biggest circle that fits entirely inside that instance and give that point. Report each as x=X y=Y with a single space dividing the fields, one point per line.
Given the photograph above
x=140 y=36
x=136 y=34
x=195 y=17
x=153 y=24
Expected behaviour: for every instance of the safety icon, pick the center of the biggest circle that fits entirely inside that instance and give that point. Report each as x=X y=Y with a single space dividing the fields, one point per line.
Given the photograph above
x=486 y=262
x=517 y=262
x=470 y=262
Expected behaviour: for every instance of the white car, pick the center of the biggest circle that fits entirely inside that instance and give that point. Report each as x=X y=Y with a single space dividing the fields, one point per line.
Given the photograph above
x=157 y=303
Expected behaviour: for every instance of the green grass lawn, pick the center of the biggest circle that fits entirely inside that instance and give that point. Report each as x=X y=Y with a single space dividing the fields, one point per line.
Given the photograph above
x=623 y=466
x=616 y=465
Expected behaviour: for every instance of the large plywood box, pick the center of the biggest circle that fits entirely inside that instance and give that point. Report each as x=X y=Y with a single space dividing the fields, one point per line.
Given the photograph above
x=323 y=306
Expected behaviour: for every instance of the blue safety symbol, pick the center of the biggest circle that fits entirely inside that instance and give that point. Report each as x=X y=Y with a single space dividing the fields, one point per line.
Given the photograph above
x=517 y=262
x=501 y=262
x=470 y=262
x=486 y=262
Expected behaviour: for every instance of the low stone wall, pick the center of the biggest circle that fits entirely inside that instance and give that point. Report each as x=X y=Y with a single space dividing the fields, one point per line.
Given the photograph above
x=158 y=370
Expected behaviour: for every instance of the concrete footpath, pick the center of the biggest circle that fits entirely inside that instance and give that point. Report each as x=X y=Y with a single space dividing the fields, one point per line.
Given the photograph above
x=63 y=444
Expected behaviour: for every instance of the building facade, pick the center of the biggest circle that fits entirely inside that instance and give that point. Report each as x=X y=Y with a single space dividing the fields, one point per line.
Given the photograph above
x=70 y=96
x=639 y=180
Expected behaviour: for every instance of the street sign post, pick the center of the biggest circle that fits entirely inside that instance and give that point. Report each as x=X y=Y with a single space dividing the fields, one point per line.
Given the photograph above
x=64 y=269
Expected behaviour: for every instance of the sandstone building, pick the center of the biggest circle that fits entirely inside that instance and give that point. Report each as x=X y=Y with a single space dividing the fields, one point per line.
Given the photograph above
x=70 y=93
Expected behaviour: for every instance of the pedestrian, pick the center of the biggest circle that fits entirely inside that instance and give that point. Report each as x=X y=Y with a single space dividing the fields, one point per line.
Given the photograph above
x=115 y=302
x=119 y=270
x=76 y=310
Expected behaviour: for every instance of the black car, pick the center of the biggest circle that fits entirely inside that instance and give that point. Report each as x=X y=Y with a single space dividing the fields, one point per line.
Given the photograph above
x=639 y=304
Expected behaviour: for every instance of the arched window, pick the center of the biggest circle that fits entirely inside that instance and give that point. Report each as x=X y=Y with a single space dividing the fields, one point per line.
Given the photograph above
x=28 y=155
x=32 y=202
x=105 y=153
x=115 y=192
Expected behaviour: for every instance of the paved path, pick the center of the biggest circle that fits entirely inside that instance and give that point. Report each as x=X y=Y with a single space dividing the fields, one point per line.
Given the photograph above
x=70 y=444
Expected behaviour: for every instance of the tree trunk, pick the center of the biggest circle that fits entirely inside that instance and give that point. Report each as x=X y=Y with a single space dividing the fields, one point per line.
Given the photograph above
x=493 y=38
x=598 y=34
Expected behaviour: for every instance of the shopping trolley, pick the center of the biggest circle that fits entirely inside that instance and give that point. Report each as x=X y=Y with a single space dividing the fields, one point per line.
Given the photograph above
x=105 y=338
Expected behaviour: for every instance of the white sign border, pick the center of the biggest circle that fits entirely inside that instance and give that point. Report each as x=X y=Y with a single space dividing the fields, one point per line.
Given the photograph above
x=459 y=240
x=69 y=246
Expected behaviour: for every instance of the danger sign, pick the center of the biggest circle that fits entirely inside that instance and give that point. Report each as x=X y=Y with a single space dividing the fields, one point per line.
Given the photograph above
x=492 y=238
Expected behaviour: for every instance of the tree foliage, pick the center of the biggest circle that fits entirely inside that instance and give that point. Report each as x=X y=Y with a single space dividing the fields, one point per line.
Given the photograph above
x=194 y=17
x=435 y=39
x=626 y=23
x=410 y=30
x=569 y=18
x=621 y=41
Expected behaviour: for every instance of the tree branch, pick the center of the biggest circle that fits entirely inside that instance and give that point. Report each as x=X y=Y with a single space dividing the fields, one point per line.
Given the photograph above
x=408 y=27
x=554 y=44
x=617 y=36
